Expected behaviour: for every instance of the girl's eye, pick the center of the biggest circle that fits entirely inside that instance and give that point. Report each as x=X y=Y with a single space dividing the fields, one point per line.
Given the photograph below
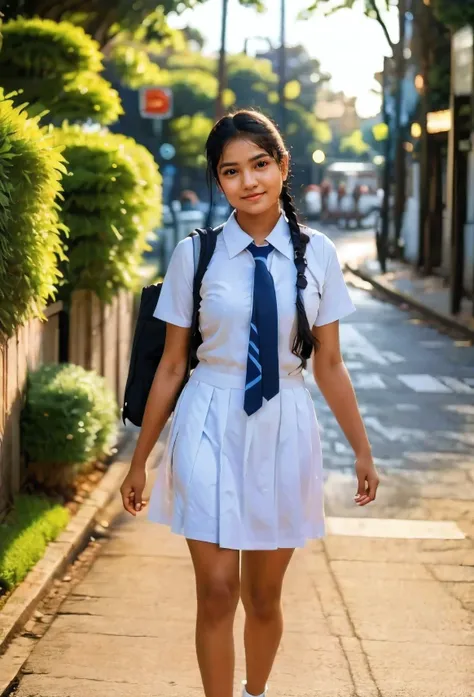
x=228 y=172
x=262 y=163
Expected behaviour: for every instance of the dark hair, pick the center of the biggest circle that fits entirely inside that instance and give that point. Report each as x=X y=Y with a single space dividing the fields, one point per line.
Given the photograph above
x=261 y=130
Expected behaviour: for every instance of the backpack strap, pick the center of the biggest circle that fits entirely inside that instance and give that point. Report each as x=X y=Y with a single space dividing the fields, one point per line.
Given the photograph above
x=204 y=244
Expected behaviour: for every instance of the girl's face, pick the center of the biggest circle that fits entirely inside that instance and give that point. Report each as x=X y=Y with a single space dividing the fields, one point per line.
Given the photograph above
x=249 y=177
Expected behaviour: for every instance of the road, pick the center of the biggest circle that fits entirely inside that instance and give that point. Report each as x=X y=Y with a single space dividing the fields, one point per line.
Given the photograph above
x=415 y=387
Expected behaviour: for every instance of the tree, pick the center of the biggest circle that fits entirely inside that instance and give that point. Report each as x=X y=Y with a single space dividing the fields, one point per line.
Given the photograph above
x=56 y=66
x=371 y=8
x=355 y=144
x=102 y=19
x=301 y=69
x=189 y=135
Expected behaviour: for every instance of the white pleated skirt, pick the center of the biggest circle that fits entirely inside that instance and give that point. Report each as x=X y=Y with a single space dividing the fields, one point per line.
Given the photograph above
x=248 y=483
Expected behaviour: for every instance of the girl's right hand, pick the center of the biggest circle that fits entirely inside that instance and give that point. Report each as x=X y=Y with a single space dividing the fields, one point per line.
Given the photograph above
x=132 y=490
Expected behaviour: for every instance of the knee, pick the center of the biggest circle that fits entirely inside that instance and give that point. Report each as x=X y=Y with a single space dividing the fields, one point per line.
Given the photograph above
x=218 y=599
x=263 y=603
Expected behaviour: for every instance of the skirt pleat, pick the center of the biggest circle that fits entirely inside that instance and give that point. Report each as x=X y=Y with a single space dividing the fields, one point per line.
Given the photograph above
x=241 y=482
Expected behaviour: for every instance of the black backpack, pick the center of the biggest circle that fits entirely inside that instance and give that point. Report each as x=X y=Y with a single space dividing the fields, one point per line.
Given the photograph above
x=149 y=337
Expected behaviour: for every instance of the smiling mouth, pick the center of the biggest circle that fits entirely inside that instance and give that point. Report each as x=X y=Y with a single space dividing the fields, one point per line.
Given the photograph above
x=253 y=197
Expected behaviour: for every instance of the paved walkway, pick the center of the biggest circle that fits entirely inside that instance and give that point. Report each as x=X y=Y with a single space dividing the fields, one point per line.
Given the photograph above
x=365 y=617
x=430 y=291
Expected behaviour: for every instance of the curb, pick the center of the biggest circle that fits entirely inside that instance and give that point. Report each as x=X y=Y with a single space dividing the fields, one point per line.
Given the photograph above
x=61 y=552
x=399 y=296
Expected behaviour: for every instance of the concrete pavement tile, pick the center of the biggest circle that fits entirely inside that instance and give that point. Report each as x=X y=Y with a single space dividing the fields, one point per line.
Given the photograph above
x=133 y=660
x=322 y=670
x=147 y=539
x=166 y=581
x=394 y=550
x=415 y=670
x=360 y=670
x=462 y=574
x=47 y=686
x=153 y=609
x=367 y=569
x=131 y=626
x=464 y=592
x=328 y=594
x=387 y=609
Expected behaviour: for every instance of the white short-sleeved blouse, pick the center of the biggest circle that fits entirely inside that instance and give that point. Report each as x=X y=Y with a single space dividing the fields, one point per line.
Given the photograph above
x=227 y=289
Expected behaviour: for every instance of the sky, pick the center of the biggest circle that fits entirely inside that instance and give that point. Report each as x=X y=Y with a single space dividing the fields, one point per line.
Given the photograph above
x=348 y=45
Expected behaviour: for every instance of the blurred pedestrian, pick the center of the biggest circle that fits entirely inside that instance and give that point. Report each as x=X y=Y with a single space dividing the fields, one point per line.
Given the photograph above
x=242 y=475
x=189 y=200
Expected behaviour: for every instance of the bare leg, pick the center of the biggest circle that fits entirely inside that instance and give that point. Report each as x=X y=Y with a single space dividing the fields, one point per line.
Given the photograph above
x=261 y=585
x=218 y=591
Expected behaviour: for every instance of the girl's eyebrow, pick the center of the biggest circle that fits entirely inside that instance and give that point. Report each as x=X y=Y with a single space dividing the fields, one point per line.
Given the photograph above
x=252 y=159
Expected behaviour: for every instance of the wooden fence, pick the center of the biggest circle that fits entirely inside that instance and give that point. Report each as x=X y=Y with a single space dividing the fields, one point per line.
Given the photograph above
x=99 y=338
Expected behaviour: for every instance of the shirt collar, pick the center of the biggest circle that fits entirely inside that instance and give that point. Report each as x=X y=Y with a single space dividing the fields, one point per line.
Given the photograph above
x=236 y=239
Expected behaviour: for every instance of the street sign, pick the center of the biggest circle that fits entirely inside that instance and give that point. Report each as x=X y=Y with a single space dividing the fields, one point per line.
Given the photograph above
x=156 y=102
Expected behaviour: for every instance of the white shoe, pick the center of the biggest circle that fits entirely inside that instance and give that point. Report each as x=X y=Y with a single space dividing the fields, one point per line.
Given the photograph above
x=246 y=694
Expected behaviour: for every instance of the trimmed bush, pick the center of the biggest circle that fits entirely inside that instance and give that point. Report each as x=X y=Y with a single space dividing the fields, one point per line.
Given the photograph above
x=68 y=422
x=24 y=535
x=31 y=165
x=56 y=66
x=112 y=199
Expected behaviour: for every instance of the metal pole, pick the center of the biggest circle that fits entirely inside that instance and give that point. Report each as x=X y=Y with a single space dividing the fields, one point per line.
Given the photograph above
x=282 y=66
x=383 y=232
x=221 y=72
x=400 y=62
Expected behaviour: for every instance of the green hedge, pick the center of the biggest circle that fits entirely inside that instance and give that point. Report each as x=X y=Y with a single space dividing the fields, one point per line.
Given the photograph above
x=24 y=535
x=112 y=199
x=68 y=422
x=31 y=165
x=56 y=66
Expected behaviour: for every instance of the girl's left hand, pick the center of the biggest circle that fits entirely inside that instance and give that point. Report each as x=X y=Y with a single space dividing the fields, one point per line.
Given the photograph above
x=366 y=473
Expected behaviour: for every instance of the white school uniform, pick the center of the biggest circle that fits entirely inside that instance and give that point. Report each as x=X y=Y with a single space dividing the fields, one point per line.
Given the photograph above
x=245 y=482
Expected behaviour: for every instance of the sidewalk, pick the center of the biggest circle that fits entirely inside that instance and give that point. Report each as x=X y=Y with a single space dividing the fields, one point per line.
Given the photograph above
x=365 y=617
x=428 y=294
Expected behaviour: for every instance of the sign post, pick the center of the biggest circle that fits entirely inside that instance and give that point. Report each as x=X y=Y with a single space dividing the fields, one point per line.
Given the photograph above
x=156 y=103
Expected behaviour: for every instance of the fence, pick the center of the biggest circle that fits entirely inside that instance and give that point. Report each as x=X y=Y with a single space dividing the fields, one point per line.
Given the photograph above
x=98 y=338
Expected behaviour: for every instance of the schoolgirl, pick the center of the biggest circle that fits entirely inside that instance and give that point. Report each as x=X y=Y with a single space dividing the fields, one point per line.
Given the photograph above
x=242 y=476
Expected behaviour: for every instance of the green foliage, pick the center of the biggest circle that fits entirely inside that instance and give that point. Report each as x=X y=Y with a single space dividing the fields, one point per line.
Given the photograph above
x=304 y=133
x=56 y=67
x=32 y=524
x=69 y=420
x=194 y=91
x=454 y=13
x=354 y=143
x=30 y=232
x=101 y=18
x=42 y=48
x=112 y=199
x=134 y=67
x=189 y=137
x=380 y=132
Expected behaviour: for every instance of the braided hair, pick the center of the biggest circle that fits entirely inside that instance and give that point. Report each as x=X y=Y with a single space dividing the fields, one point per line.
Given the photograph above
x=253 y=125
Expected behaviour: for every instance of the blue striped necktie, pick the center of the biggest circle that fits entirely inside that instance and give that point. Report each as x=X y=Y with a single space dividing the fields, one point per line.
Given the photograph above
x=262 y=378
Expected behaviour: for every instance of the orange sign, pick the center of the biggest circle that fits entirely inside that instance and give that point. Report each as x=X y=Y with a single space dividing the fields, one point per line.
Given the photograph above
x=156 y=102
